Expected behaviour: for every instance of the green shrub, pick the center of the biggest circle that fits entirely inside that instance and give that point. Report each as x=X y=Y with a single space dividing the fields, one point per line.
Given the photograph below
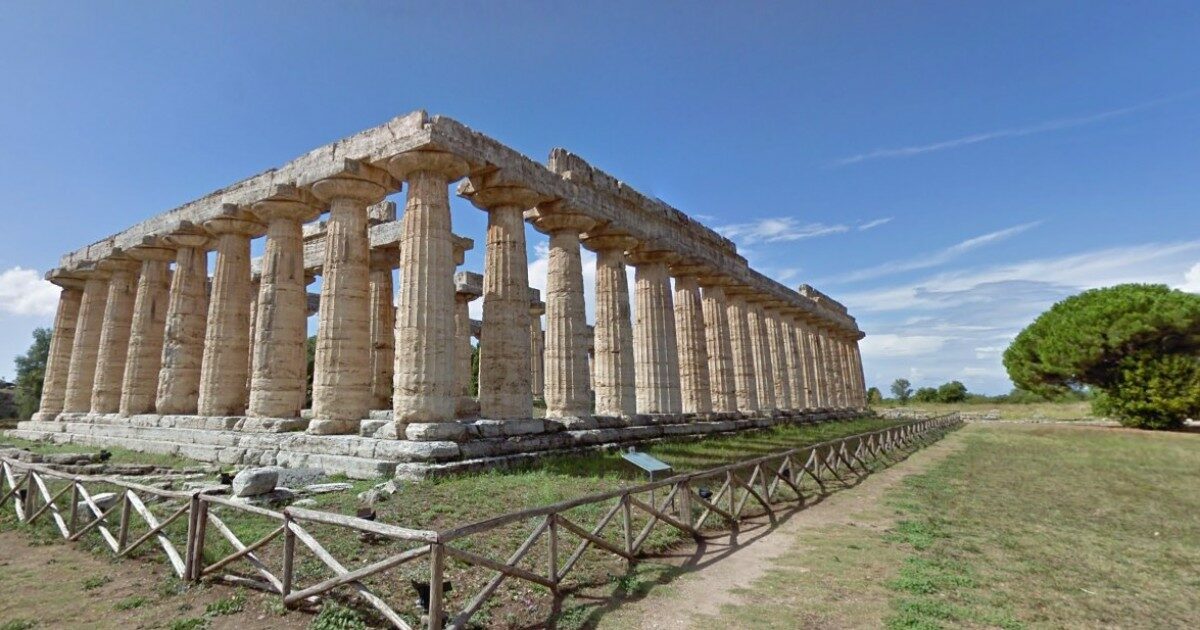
x=1153 y=392
x=334 y=616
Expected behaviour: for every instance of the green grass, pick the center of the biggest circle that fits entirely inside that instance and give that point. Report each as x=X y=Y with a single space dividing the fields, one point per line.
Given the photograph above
x=1023 y=526
x=1075 y=410
x=130 y=603
x=119 y=455
x=95 y=582
x=194 y=623
x=18 y=624
x=226 y=606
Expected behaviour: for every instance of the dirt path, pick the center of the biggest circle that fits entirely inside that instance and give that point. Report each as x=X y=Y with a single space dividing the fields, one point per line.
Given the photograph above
x=703 y=591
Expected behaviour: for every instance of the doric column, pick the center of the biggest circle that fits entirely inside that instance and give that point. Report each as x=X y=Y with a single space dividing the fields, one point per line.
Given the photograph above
x=341 y=369
x=425 y=388
x=140 y=381
x=383 y=326
x=567 y=385
x=761 y=349
x=504 y=393
x=744 y=375
x=717 y=343
x=793 y=341
x=537 y=350
x=468 y=286
x=829 y=378
x=114 y=335
x=655 y=347
x=812 y=383
x=183 y=335
x=839 y=374
x=613 y=376
x=227 y=334
x=58 y=361
x=857 y=365
x=694 y=385
x=81 y=374
x=278 y=365
x=782 y=379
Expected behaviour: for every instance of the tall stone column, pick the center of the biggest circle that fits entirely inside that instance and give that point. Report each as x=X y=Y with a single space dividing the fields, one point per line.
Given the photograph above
x=775 y=343
x=761 y=350
x=567 y=384
x=227 y=335
x=655 y=347
x=537 y=350
x=817 y=361
x=114 y=335
x=856 y=357
x=793 y=340
x=383 y=326
x=468 y=287
x=278 y=375
x=140 y=381
x=839 y=370
x=504 y=393
x=694 y=384
x=342 y=365
x=183 y=336
x=255 y=288
x=720 y=349
x=58 y=361
x=833 y=397
x=613 y=376
x=81 y=374
x=425 y=387
x=744 y=374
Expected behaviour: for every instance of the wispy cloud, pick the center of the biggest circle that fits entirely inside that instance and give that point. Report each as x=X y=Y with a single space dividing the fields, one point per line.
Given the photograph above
x=935 y=258
x=874 y=224
x=778 y=229
x=24 y=292
x=1057 y=124
x=1191 y=280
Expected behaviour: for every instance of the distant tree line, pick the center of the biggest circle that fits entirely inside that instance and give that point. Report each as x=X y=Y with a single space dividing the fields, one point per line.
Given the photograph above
x=956 y=392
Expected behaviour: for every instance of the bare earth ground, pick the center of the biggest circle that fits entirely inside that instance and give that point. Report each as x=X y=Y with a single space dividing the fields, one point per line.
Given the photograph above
x=695 y=597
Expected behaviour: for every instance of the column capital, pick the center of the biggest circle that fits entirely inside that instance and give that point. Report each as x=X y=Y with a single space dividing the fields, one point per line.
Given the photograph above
x=118 y=262
x=65 y=278
x=385 y=258
x=461 y=245
x=382 y=212
x=499 y=188
x=234 y=220
x=468 y=284
x=643 y=256
x=684 y=269
x=445 y=164
x=288 y=202
x=158 y=252
x=187 y=234
x=605 y=238
x=557 y=217
x=358 y=181
x=537 y=309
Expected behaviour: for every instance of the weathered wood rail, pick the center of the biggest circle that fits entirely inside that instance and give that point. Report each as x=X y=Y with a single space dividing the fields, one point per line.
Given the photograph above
x=686 y=503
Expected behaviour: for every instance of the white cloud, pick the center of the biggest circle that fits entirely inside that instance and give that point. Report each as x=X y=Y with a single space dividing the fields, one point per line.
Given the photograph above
x=1014 y=132
x=874 y=224
x=1191 y=280
x=935 y=258
x=24 y=292
x=896 y=345
x=777 y=229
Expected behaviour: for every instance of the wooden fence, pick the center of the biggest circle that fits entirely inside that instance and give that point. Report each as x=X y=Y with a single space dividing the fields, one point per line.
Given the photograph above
x=686 y=503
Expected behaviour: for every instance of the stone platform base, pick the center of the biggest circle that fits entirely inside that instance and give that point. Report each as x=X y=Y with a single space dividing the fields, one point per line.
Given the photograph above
x=429 y=450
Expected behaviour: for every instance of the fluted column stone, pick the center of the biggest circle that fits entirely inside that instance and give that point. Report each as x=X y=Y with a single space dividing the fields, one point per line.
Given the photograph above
x=567 y=385
x=183 y=336
x=719 y=346
x=279 y=376
x=856 y=356
x=468 y=287
x=694 y=385
x=58 y=361
x=655 y=346
x=227 y=335
x=744 y=373
x=613 y=375
x=140 y=381
x=763 y=360
x=81 y=374
x=383 y=326
x=342 y=365
x=425 y=387
x=775 y=346
x=793 y=340
x=537 y=351
x=114 y=335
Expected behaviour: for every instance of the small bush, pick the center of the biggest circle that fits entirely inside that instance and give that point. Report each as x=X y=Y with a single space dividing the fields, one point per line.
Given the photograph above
x=18 y=624
x=195 y=623
x=226 y=606
x=130 y=603
x=95 y=582
x=1153 y=391
x=334 y=616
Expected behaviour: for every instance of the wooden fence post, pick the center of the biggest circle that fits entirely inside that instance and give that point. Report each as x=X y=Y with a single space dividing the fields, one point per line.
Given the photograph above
x=289 y=554
x=437 y=568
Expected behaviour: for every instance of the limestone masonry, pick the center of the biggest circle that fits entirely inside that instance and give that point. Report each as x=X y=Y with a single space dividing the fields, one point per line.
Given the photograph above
x=150 y=353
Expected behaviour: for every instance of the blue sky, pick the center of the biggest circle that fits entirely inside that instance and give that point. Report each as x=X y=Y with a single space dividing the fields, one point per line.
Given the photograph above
x=946 y=169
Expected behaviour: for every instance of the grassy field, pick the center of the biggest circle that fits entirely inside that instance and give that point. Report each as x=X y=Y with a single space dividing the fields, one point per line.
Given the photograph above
x=462 y=499
x=1075 y=410
x=1019 y=526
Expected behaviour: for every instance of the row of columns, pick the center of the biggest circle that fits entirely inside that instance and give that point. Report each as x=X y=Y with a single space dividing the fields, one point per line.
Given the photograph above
x=133 y=336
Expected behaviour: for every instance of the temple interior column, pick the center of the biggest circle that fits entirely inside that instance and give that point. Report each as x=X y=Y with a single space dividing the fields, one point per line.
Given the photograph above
x=425 y=387
x=341 y=369
x=279 y=368
x=468 y=287
x=775 y=346
x=761 y=350
x=183 y=336
x=567 y=385
x=383 y=325
x=537 y=350
x=224 y=362
x=720 y=349
x=58 y=361
x=114 y=334
x=613 y=376
x=655 y=347
x=140 y=380
x=504 y=393
x=744 y=374
x=694 y=386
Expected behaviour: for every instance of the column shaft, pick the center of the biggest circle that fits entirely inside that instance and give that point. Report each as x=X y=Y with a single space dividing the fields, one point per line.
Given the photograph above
x=775 y=343
x=537 y=356
x=81 y=374
x=227 y=334
x=761 y=351
x=183 y=336
x=505 y=392
x=656 y=351
x=462 y=355
x=58 y=362
x=744 y=374
x=114 y=336
x=613 y=369
x=566 y=328
x=383 y=335
x=694 y=386
x=720 y=350
x=795 y=373
x=798 y=366
x=140 y=382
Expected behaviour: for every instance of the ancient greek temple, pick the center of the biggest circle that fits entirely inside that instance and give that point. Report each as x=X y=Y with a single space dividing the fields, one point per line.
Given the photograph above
x=151 y=353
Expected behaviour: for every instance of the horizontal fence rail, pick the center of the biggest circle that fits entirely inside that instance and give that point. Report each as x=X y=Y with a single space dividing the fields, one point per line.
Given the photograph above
x=685 y=503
